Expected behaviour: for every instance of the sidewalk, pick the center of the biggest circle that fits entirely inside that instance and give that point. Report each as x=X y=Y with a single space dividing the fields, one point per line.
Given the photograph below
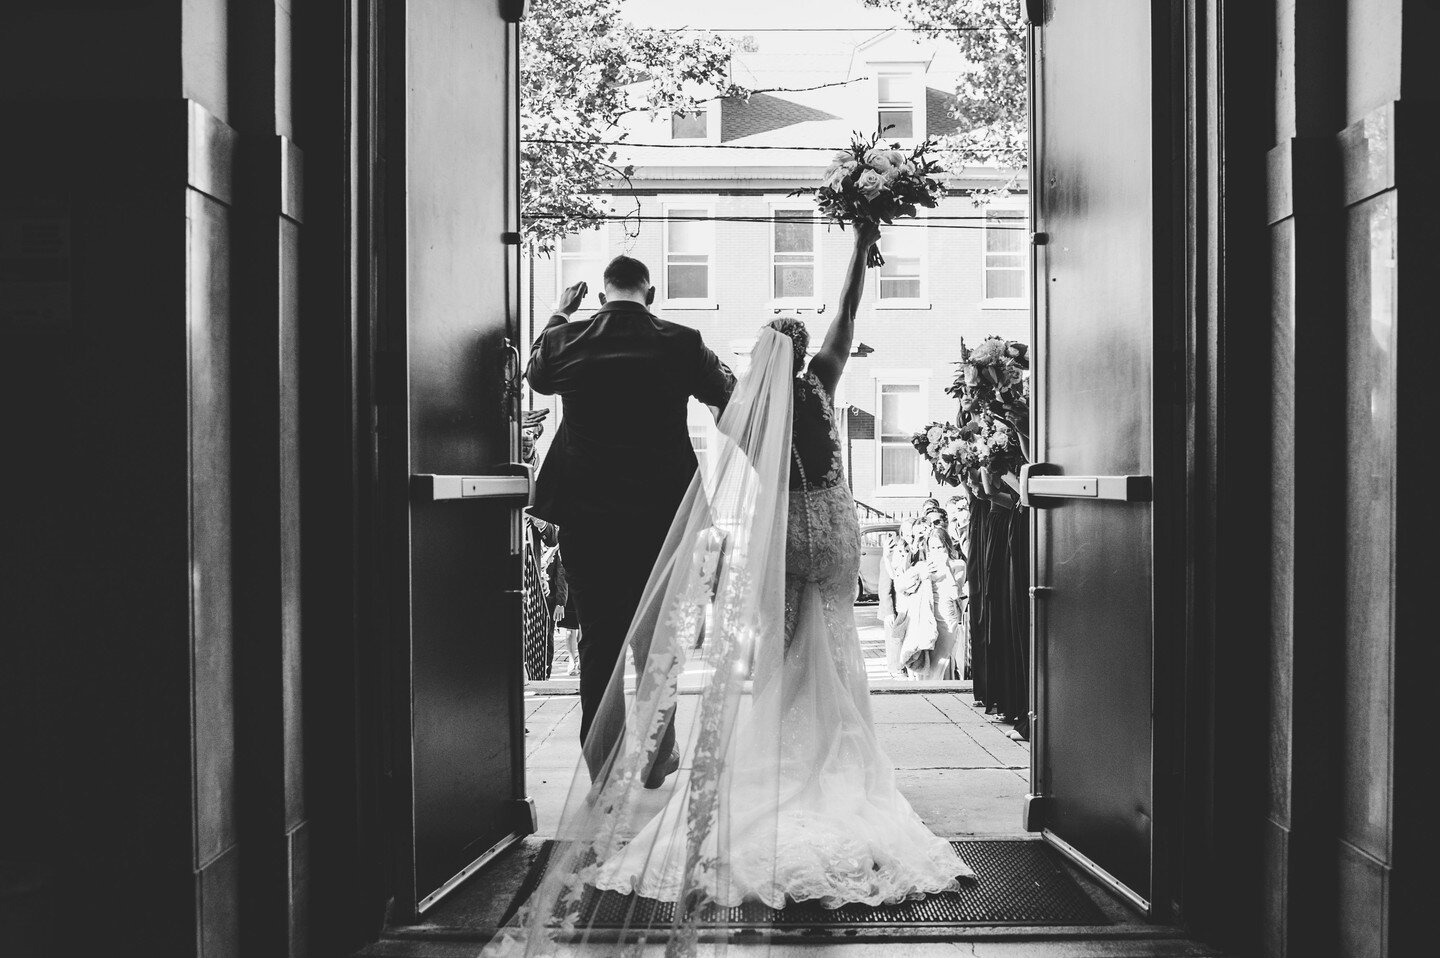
x=872 y=647
x=961 y=771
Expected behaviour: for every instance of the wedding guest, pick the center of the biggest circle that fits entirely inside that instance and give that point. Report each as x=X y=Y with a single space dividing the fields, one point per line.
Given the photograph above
x=532 y=427
x=567 y=617
x=894 y=559
x=957 y=509
x=924 y=629
x=538 y=598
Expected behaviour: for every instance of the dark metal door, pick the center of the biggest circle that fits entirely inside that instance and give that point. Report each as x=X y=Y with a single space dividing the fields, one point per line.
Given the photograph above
x=1098 y=282
x=458 y=760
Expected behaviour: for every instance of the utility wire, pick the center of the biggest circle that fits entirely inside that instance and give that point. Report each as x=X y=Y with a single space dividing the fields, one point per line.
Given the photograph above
x=956 y=29
x=709 y=146
x=921 y=222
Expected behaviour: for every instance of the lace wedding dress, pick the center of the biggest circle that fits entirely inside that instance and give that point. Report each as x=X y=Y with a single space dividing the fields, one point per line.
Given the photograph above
x=784 y=793
x=833 y=827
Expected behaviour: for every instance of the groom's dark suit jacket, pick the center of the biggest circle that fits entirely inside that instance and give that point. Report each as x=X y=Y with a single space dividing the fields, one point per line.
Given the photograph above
x=622 y=446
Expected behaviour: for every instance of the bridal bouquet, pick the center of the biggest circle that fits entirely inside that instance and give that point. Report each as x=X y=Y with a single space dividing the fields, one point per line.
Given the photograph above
x=873 y=183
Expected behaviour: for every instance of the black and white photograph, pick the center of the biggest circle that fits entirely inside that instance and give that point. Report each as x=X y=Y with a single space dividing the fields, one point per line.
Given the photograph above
x=684 y=478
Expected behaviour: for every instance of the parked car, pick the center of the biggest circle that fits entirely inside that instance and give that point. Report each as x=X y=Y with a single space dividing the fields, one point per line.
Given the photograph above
x=873 y=538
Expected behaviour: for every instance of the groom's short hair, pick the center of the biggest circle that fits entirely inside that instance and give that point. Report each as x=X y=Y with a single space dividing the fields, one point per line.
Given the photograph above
x=627 y=273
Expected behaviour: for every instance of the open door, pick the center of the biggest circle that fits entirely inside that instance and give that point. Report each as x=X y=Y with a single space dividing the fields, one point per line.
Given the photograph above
x=448 y=369
x=1101 y=260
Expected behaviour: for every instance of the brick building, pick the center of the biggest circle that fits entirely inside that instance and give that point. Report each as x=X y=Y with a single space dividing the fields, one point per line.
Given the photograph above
x=729 y=249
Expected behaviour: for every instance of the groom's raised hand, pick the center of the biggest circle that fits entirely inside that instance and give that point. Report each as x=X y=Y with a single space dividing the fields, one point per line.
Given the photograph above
x=571 y=299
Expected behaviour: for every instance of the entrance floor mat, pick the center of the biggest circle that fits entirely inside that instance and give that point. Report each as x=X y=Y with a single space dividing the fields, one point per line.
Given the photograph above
x=1017 y=882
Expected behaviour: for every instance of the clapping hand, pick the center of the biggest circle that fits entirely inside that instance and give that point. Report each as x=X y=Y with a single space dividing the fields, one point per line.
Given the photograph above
x=571 y=299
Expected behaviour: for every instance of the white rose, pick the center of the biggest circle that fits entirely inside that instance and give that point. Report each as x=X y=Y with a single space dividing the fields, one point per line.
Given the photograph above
x=870 y=184
x=896 y=158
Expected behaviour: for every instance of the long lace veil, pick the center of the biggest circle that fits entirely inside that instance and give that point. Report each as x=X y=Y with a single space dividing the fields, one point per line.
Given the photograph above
x=709 y=629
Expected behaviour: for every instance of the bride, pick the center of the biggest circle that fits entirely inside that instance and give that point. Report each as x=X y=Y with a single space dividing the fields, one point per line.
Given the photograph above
x=783 y=793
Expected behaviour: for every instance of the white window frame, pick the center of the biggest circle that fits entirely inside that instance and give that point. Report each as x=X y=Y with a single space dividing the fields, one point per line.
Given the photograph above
x=603 y=232
x=899 y=377
x=1004 y=302
x=907 y=302
x=700 y=424
x=780 y=205
x=915 y=73
x=707 y=204
x=711 y=109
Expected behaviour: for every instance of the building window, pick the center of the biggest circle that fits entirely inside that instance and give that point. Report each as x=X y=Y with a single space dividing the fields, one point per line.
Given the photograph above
x=1005 y=256
x=902 y=412
x=903 y=246
x=897 y=95
x=689 y=251
x=690 y=126
x=582 y=257
x=701 y=426
x=792 y=254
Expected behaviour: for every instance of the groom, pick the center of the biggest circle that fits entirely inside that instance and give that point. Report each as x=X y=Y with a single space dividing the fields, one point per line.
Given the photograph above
x=619 y=466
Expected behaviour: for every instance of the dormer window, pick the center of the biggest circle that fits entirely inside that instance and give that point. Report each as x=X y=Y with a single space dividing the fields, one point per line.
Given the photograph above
x=690 y=126
x=897 y=99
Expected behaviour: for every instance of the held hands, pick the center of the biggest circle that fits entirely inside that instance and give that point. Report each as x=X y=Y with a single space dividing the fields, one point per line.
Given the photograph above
x=571 y=299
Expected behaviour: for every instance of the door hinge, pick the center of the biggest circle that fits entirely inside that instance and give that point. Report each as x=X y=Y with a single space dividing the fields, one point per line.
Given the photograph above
x=1035 y=808
x=1035 y=12
x=510 y=238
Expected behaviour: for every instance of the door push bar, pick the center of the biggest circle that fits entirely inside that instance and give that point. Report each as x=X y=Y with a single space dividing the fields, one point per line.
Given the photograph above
x=1043 y=481
x=516 y=482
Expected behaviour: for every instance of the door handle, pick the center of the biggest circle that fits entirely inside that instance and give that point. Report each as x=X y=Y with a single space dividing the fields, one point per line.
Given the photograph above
x=516 y=482
x=1041 y=481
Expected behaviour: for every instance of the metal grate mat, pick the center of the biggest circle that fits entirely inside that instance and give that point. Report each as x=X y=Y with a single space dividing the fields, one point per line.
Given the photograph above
x=1017 y=882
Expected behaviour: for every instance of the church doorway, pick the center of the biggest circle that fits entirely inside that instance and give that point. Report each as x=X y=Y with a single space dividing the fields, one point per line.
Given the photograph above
x=1101 y=494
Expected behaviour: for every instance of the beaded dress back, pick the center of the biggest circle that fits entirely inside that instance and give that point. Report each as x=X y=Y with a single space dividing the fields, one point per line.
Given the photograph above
x=823 y=540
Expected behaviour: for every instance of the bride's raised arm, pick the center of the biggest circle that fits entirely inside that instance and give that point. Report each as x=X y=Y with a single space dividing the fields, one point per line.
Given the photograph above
x=829 y=362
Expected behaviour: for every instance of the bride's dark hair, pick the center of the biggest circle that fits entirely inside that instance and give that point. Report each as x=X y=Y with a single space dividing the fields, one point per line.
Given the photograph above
x=799 y=336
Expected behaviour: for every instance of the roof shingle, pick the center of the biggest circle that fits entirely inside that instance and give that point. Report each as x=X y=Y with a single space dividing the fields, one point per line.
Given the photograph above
x=762 y=113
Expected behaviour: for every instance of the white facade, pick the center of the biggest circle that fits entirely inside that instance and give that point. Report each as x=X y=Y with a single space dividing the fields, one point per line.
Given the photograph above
x=729 y=250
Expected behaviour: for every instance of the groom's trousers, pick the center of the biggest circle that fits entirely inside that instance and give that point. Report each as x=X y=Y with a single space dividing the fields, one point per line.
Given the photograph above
x=607 y=562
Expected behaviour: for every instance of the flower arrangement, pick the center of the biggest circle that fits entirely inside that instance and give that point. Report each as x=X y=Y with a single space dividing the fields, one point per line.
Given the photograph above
x=990 y=436
x=948 y=454
x=873 y=183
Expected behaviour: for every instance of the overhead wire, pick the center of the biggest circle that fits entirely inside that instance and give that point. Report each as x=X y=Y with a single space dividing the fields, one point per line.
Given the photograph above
x=968 y=222
x=972 y=28
x=559 y=141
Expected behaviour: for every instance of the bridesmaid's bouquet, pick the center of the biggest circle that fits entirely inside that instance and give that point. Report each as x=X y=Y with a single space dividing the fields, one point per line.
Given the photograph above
x=989 y=438
x=994 y=378
x=874 y=183
x=949 y=454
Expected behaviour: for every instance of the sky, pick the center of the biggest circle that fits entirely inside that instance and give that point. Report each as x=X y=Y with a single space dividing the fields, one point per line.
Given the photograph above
x=750 y=14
